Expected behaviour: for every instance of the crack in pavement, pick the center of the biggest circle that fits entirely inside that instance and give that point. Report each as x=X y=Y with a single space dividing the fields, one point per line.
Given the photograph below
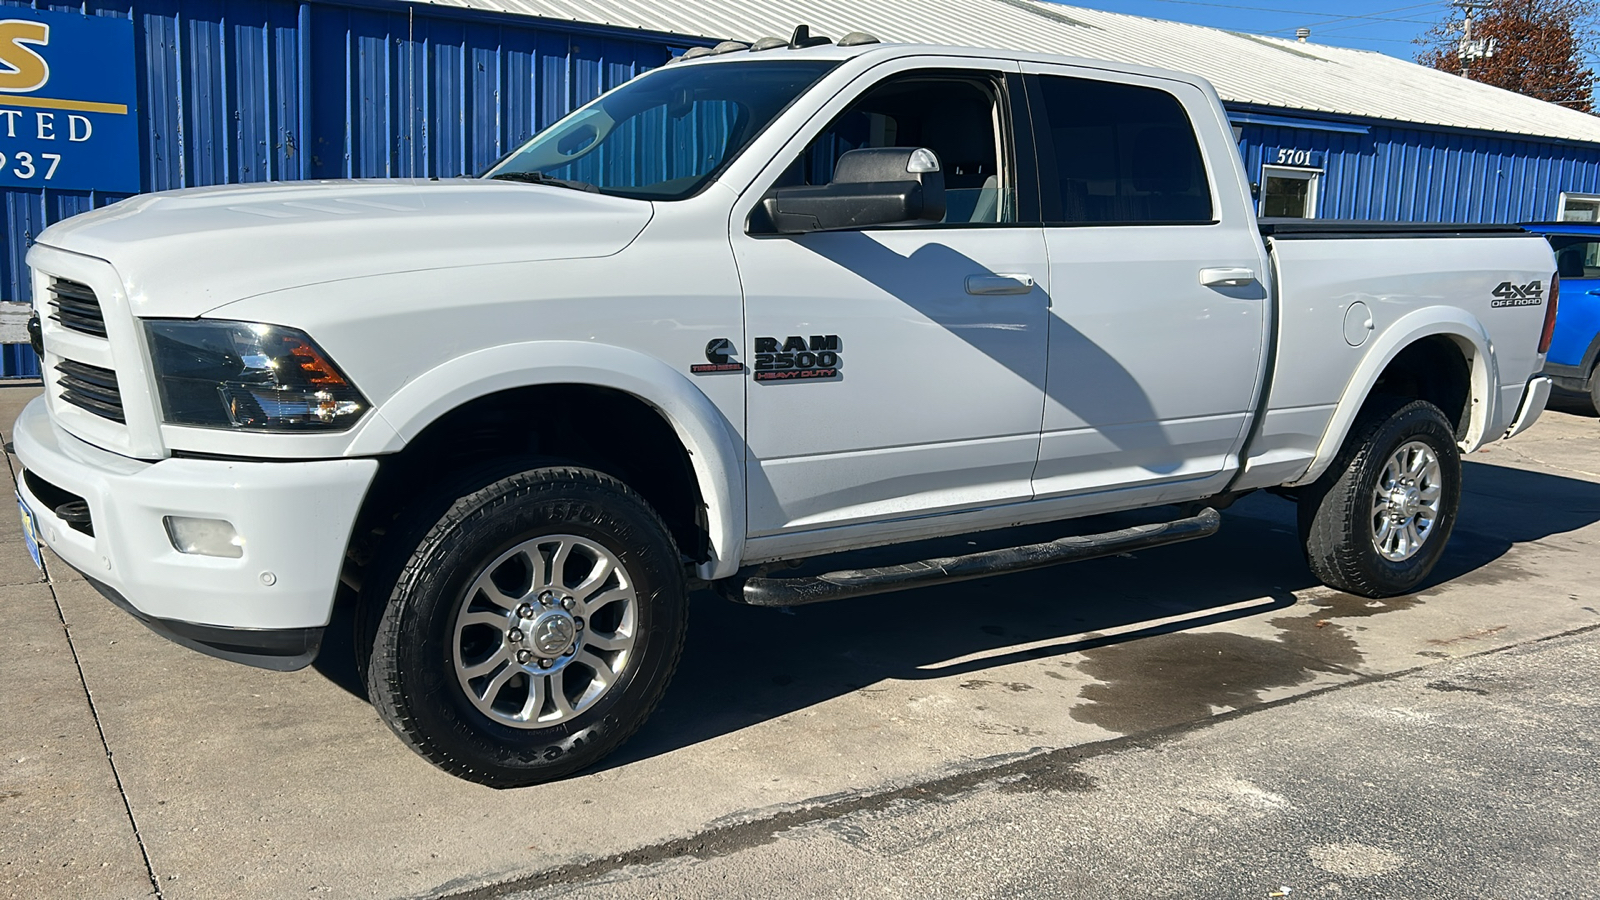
x=1046 y=770
x=94 y=713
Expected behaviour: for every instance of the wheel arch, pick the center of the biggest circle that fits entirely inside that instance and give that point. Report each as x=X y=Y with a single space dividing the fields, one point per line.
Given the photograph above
x=1440 y=354
x=501 y=377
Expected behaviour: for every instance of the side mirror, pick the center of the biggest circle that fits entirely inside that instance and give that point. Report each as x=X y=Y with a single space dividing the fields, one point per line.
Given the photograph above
x=879 y=186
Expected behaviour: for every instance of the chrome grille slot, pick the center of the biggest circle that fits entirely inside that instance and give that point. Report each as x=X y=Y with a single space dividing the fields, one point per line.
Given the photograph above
x=90 y=388
x=77 y=307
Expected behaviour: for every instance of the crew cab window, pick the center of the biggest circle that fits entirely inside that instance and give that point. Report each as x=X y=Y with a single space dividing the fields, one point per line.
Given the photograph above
x=1116 y=154
x=958 y=117
x=1576 y=257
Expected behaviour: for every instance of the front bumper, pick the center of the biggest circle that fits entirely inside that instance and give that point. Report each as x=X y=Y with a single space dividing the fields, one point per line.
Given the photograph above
x=294 y=517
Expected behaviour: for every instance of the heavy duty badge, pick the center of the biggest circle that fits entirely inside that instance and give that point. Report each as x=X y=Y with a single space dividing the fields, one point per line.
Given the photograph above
x=718 y=358
x=797 y=359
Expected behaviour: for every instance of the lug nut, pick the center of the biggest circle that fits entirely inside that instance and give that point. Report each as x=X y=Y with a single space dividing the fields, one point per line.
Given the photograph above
x=577 y=623
x=514 y=635
x=524 y=611
x=568 y=603
x=523 y=656
x=547 y=598
x=544 y=663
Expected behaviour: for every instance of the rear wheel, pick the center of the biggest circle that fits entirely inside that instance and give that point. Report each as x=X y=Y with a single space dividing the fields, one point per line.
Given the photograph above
x=1594 y=390
x=1376 y=522
x=532 y=630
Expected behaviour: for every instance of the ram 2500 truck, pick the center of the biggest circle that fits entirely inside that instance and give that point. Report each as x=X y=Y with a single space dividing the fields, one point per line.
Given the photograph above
x=747 y=309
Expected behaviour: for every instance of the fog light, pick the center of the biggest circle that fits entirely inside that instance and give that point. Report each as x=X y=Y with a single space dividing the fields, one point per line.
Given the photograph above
x=204 y=537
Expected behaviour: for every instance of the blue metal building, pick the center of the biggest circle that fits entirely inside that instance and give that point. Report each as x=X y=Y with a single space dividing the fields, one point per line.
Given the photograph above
x=231 y=91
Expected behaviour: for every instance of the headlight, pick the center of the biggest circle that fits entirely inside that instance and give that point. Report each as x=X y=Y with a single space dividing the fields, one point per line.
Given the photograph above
x=250 y=377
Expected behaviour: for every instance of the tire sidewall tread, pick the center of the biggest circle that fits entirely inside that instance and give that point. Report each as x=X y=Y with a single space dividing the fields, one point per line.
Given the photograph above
x=1335 y=513
x=410 y=675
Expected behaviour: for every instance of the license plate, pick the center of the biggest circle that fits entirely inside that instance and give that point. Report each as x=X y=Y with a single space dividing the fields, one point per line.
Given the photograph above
x=30 y=532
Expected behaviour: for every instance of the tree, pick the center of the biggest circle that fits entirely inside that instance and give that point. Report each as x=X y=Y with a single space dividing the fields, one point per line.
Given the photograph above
x=1540 y=48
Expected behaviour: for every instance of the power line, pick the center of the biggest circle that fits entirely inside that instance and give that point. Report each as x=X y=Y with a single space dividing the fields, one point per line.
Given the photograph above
x=1381 y=12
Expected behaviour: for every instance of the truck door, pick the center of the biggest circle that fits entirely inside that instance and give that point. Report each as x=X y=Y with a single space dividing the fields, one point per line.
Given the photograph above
x=1158 y=286
x=898 y=371
x=1573 y=348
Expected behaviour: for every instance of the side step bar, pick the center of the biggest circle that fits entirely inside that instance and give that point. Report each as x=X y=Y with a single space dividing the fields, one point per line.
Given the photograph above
x=759 y=591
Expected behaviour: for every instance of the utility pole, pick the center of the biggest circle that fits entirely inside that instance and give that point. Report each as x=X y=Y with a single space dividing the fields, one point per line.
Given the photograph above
x=1469 y=49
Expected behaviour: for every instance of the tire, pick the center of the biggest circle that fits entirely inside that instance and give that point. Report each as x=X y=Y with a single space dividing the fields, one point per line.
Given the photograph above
x=1594 y=391
x=1346 y=542
x=531 y=629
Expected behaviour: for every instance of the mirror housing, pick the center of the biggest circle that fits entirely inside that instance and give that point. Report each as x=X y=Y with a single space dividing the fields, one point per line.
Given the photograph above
x=870 y=187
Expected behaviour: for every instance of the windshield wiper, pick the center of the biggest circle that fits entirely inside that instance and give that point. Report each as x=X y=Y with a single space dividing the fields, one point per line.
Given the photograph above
x=542 y=178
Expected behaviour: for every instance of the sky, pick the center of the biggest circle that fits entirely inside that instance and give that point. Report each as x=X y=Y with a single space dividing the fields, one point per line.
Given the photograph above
x=1383 y=26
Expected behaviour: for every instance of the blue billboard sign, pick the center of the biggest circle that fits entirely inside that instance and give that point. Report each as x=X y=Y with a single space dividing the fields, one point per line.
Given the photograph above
x=67 y=101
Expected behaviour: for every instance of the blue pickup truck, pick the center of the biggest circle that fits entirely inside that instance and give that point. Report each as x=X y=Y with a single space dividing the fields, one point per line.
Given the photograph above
x=1576 y=345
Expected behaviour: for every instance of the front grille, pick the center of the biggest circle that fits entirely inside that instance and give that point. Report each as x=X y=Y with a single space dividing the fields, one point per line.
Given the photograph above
x=90 y=388
x=77 y=307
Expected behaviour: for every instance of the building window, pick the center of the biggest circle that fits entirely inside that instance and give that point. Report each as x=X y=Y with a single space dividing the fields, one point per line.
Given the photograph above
x=1579 y=207
x=1288 y=193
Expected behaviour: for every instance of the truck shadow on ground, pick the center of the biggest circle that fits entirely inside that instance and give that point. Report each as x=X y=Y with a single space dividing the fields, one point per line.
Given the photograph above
x=1127 y=623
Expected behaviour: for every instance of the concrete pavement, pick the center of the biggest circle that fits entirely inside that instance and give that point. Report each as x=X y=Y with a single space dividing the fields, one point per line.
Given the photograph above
x=134 y=766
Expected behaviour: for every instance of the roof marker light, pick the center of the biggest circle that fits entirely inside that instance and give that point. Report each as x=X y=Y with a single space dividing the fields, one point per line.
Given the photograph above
x=857 y=39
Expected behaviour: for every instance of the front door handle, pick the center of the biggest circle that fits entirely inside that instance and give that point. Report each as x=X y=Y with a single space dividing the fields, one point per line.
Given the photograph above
x=992 y=285
x=1227 y=277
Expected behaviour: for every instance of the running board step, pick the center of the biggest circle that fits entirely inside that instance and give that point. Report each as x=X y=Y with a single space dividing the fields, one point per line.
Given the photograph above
x=759 y=591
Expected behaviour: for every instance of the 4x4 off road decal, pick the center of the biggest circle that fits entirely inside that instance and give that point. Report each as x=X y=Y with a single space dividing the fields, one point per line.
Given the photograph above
x=718 y=358
x=797 y=359
x=1508 y=294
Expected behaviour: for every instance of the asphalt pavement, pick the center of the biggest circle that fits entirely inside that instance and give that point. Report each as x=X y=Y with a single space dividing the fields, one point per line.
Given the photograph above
x=1200 y=720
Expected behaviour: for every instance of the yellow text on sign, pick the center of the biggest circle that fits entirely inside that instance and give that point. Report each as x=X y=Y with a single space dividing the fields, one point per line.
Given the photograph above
x=22 y=68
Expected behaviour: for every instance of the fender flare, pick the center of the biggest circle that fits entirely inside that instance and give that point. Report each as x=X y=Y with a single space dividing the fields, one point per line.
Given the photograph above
x=715 y=450
x=1448 y=321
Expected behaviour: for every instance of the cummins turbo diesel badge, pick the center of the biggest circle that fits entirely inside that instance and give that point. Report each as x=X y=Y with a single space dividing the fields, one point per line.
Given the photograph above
x=797 y=359
x=718 y=358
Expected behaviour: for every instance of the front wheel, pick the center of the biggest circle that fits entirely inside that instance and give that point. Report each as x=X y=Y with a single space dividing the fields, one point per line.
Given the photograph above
x=532 y=630
x=1376 y=522
x=1594 y=390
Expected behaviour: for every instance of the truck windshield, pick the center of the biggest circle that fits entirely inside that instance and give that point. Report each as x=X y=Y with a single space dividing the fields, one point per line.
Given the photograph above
x=666 y=134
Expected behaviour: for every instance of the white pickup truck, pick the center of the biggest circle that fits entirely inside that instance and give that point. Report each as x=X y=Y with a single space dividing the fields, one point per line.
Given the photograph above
x=760 y=305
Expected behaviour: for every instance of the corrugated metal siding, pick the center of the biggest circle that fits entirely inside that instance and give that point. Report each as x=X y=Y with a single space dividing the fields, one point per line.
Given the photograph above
x=1412 y=175
x=18 y=361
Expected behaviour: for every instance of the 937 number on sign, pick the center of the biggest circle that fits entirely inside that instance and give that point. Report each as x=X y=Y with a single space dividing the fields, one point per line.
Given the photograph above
x=25 y=167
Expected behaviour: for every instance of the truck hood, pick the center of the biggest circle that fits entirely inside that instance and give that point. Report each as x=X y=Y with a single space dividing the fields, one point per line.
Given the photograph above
x=182 y=253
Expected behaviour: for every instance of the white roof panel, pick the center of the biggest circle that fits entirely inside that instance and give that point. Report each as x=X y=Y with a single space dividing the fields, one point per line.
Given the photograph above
x=1246 y=69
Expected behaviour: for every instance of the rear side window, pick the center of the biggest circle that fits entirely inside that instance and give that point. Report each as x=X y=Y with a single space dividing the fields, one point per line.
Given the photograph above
x=1576 y=257
x=1116 y=154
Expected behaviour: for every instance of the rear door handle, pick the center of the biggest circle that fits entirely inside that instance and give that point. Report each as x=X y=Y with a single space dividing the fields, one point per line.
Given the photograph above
x=992 y=285
x=1227 y=277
